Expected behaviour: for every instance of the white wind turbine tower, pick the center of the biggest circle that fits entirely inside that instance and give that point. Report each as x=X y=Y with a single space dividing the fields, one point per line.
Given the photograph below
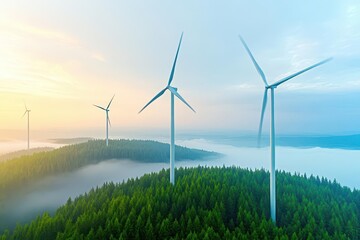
x=173 y=92
x=107 y=119
x=28 y=125
x=272 y=87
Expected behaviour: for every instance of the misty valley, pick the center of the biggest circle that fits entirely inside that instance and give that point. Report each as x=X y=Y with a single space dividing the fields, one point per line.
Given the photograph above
x=43 y=180
x=206 y=203
x=74 y=170
x=19 y=172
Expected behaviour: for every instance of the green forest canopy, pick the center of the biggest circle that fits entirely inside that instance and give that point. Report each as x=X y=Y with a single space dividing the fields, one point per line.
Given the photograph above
x=19 y=172
x=20 y=153
x=205 y=203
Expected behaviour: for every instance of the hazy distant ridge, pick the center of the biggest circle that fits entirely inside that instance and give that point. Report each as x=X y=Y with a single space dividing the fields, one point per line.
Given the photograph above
x=20 y=153
x=348 y=142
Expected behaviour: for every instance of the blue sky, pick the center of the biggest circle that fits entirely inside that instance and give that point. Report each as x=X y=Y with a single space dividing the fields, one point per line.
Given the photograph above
x=62 y=56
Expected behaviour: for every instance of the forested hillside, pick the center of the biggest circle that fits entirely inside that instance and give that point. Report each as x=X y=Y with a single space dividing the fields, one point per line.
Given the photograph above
x=205 y=203
x=21 y=153
x=19 y=172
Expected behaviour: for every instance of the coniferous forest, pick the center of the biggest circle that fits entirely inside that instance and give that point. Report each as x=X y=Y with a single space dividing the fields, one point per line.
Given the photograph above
x=205 y=203
x=21 y=171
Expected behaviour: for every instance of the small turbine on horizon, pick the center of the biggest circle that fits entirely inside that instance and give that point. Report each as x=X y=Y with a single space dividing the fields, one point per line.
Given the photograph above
x=107 y=119
x=272 y=87
x=173 y=92
x=28 y=124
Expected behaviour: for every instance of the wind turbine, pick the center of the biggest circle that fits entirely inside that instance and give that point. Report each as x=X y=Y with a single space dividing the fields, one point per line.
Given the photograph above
x=28 y=125
x=173 y=92
x=272 y=87
x=107 y=119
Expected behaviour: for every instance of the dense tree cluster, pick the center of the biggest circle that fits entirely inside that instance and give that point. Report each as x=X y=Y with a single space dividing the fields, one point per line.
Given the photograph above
x=20 y=153
x=205 y=203
x=21 y=171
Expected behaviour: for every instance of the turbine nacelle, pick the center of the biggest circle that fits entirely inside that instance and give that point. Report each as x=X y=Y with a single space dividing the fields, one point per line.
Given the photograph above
x=26 y=109
x=107 y=109
x=173 y=90
x=274 y=85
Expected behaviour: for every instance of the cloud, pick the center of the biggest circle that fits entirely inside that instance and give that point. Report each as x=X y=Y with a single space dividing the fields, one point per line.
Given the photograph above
x=38 y=78
x=41 y=61
x=26 y=68
x=242 y=86
x=98 y=56
x=20 y=29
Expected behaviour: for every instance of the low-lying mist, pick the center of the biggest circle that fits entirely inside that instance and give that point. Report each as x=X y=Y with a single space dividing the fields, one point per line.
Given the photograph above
x=52 y=192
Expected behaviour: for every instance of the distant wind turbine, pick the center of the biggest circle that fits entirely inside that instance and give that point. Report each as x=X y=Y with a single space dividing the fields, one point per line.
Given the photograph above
x=173 y=92
x=272 y=121
x=28 y=124
x=107 y=119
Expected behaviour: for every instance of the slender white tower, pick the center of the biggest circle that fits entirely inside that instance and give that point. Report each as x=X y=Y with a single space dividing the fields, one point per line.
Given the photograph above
x=172 y=142
x=272 y=165
x=28 y=117
x=107 y=127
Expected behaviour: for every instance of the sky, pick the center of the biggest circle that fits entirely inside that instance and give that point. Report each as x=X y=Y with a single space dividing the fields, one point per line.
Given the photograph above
x=60 y=57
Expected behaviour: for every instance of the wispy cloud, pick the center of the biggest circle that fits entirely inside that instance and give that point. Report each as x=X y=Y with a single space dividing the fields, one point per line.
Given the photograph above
x=26 y=70
x=242 y=86
x=20 y=29
x=37 y=78
x=45 y=33
x=42 y=61
x=322 y=85
x=99 y=57
x=302 y=51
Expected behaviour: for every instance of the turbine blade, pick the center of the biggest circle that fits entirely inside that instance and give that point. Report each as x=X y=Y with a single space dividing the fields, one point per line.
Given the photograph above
x=25 y=105
x=110 y=102
x=153 y=99
x=109 y=121
x=262 y=115
x=300 y=72
x=180 y=97
x=24 y=113
x=174 y=64
x=258 y=68
x=99 y=107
